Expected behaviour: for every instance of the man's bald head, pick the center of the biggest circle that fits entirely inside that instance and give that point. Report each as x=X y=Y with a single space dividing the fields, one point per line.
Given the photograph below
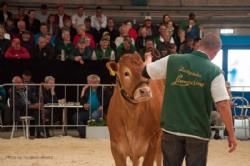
x=18 y=81
x=210 y=44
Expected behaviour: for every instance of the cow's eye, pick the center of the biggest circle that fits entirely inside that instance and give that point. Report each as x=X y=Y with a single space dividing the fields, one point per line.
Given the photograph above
x=126 y=73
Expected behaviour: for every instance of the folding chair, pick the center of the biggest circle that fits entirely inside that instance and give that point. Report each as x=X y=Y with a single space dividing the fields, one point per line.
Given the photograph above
x=240 y=111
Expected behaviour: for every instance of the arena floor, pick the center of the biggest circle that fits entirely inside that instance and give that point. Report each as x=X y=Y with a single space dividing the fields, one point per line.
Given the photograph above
x=71 y=151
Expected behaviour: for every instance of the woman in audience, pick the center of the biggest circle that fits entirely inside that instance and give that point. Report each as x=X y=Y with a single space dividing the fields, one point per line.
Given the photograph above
x=16 y=51
x=165 y=19
x=141 y=40
x=173 y=32
x=192 y=30
x=82 y=34
x=131 y=31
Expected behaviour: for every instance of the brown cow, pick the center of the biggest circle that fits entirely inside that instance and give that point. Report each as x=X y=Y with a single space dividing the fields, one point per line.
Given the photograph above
x=134 y=114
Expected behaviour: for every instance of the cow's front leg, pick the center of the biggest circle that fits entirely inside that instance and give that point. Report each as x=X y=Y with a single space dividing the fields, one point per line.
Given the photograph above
x=119 y=157
x=154 y=151
x=136 y=161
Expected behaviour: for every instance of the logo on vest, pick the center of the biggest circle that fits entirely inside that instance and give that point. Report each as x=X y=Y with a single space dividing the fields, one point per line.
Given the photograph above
x=179 y=81
x=188 y=72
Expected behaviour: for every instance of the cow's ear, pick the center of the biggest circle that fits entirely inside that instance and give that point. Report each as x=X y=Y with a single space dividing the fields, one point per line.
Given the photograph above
x=112 y=67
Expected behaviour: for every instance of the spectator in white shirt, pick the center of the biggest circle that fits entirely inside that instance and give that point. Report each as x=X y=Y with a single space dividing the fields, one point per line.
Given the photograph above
x=79 y=17
x=43 y=15
x=99 y=20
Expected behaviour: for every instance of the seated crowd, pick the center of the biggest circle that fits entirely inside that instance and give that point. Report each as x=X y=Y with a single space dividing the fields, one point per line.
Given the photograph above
x=59 y=36
x=41 y=35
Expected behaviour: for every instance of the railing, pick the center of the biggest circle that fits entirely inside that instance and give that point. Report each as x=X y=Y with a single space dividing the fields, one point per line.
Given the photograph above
x=70 y=93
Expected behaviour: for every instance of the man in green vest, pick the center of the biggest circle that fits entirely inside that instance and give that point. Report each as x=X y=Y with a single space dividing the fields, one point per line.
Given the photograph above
x=192 y=84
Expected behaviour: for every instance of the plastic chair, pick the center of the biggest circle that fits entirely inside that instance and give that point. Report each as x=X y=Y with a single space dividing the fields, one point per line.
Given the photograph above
x=25 y=124
x=240 y=111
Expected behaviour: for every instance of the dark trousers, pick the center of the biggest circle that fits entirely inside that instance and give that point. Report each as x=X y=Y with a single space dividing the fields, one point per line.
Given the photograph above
x=81 y=118
x=175 y=148
x=35 y=114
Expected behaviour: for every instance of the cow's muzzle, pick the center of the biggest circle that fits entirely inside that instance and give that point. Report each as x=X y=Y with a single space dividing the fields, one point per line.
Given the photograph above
x=142 y=93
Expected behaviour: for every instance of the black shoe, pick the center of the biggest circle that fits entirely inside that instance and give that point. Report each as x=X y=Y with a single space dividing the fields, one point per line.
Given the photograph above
x=216 y=137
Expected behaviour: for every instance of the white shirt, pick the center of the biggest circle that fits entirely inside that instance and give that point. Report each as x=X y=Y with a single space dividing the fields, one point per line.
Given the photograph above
x=5 y=16
x=42 y=17
x=158 y=70
x=112 y=56
x=77 y=20
x=95 y=23
x=61 y=21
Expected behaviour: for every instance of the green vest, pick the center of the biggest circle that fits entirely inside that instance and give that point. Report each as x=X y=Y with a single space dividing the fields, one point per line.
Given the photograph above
x=103 y=55
x=187 y=98
x=68 y=49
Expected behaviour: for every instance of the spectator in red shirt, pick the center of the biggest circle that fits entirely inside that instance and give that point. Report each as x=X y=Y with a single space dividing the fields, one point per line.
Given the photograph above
x=16 y=51
x=131 y=31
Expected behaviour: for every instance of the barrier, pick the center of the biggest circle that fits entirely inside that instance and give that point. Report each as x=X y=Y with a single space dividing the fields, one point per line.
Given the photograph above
x=71 y=105
x=56 y=108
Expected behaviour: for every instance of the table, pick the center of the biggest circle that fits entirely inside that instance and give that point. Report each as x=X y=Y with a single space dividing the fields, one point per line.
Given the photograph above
x=64 y=107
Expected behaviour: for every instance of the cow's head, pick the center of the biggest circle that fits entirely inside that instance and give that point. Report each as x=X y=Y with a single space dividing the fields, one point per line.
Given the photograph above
x=133 y=87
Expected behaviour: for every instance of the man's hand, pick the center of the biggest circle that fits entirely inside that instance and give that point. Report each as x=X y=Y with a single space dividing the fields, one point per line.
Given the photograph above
x=77 y=58
x=224 y=109
x=232 y=143
x=52 y=91
x=81 y=62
